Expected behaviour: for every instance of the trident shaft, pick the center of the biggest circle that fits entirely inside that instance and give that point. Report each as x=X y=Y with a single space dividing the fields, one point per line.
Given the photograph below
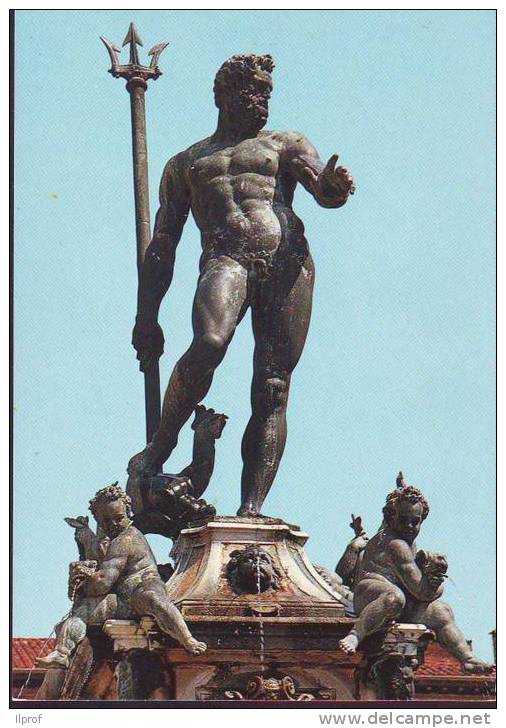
x=137 y=77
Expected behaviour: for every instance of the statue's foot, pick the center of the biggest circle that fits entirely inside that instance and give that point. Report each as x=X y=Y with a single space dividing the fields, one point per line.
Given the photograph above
x=54 y=659
x=349 y=644
x=194 y=647
x=249 y=512
x=139 y=469
x=476 y=666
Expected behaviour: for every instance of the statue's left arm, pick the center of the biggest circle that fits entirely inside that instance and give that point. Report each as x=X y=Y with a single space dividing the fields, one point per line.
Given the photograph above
x=330 y=185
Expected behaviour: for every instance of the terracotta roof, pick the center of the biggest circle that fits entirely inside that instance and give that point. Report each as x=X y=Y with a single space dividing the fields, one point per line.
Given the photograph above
x=26 y=649
x=438 y=663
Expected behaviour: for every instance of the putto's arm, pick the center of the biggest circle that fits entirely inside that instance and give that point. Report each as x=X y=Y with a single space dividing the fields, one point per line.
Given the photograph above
x=102 y=581
x=330 y=187
x=410 y=575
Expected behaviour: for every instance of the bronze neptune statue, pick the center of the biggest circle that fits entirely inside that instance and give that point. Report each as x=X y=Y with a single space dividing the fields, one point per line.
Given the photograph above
x=239 y=184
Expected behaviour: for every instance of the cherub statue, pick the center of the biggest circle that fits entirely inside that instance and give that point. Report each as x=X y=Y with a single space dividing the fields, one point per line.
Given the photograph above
x=120 y=585
x=397 y=583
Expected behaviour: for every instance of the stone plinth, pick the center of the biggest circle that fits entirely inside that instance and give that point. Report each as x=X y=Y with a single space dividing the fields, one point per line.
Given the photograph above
x=269 y=635
x=200 y=586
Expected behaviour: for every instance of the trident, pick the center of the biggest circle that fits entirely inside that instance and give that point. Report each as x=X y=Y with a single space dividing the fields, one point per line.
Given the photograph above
x=137 y=77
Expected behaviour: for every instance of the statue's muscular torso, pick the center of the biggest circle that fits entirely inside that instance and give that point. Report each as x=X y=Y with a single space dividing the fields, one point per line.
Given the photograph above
x=377 y=562
x=241 y=194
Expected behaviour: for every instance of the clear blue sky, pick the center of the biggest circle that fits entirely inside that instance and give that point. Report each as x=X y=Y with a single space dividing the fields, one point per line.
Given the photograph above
x=398 y=370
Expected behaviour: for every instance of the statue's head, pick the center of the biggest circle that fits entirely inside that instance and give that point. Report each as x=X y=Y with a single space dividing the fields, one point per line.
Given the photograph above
x=405 y=510
x=251 y=570
x=111 y=509
x=242 y=89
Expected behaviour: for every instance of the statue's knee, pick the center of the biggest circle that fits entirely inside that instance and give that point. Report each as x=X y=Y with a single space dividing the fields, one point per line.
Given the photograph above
x=439 y=615
x=212 y=346
x=395 y=602
x=272 y=395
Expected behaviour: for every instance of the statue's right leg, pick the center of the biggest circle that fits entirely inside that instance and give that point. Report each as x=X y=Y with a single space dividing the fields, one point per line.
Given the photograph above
x=220 y=303
x=151 y=598
x=377 y=603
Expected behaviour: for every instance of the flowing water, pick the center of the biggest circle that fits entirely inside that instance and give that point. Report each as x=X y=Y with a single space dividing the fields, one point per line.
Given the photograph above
x=261 y=623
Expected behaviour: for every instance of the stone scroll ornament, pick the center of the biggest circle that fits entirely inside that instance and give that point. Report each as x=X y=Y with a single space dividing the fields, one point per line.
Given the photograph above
x=269 y=688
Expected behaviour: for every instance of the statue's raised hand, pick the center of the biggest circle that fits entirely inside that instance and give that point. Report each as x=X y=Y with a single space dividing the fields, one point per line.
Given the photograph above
x=334 y=183
x=148 y=341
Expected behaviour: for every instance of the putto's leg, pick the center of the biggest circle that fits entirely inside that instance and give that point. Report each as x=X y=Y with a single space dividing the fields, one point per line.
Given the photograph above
x=377 y=603
x=439 y=617
x=280 y=323
x=219 y=304
x=151 y=598
x=70 y=632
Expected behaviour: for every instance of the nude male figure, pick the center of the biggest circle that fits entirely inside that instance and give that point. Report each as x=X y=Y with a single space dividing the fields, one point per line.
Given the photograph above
x=397 y=583
x=239 y=184
x=126 y=584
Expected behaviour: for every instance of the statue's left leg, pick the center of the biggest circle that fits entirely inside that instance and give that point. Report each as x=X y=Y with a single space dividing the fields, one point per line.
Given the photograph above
x=439 y=617
x=281 y=312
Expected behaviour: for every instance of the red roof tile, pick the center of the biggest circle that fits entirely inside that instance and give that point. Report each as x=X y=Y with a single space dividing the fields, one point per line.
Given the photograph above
x=25 y=650
x=438 y=663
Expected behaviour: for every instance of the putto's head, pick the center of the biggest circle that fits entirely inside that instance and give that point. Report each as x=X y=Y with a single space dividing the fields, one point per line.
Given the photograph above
x=242 y=89
x=405 y=510
x=111 y=509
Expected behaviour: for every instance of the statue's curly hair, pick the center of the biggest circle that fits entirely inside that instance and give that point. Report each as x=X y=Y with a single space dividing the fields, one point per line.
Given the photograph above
x=407 y=493
x=108 y=495
x=235 y=69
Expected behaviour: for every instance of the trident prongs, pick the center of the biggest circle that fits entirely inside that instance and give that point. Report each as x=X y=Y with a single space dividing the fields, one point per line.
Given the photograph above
x=133 y=69
x=113 y=52
x=133 y=38
x=155 y=52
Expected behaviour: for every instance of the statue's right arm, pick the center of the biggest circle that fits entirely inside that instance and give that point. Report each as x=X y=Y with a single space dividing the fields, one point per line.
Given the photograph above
x=156 y=274
x=158 y=266
x=102 y=581
x=409 y=574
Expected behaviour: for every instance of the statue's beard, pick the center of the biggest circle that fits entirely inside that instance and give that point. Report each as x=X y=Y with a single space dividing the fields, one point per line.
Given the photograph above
x=249 y=110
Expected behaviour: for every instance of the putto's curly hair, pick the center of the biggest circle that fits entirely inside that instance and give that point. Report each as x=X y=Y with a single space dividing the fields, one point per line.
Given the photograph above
x=408 y=493
x=232 y=73
x=108 y=495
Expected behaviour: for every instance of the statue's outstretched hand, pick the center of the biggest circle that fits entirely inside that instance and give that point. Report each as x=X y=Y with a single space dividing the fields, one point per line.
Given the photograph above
x=148 y=341
x=334 y=183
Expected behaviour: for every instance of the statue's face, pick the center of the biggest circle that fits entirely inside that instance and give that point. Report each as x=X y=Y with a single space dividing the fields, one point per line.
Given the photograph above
x=248 y=104
x=112 y=518
x=254 y=570
x=407 y=520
